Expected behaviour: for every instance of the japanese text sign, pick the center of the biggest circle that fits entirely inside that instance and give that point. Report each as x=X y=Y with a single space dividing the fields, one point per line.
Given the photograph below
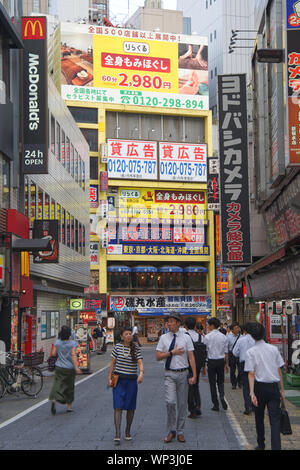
x=183 y=162
x=132 y=159
x=234 y=184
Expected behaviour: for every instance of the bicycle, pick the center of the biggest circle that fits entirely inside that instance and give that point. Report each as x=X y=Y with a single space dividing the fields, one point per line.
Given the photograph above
x=20 y=375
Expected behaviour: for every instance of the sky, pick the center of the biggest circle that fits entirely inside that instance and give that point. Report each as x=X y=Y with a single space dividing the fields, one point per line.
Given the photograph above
x=119 y=8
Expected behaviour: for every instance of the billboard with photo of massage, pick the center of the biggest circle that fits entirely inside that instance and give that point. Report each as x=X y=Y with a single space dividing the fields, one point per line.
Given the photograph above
x=115 y=65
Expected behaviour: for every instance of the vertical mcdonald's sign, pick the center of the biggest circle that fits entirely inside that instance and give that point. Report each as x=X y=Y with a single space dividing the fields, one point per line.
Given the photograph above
x=35 y=92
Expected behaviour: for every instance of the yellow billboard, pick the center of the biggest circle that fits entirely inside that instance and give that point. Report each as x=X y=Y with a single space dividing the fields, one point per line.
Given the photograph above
x=127 y=64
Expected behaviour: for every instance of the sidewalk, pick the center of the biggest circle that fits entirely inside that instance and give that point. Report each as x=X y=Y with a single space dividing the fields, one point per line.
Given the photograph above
x=247 y=423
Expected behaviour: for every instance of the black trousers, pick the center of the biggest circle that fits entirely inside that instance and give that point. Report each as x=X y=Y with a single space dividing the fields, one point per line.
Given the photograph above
x=267 y=394
x=235 y=376
x=216 y=376
x=194 y=398
x=246 y=389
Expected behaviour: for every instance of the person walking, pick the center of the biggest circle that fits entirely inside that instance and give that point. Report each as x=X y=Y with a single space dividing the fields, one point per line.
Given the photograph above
x=177 y=348
x=233 y=339
x=98 y=335
x=245 y=342
x=194 y=398
x=263 y=364
x=217 y=354
x=135 y=335
x=65 y=370
x=126 y=359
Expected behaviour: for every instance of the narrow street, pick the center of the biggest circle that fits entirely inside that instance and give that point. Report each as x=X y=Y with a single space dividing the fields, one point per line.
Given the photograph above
x=91 y=426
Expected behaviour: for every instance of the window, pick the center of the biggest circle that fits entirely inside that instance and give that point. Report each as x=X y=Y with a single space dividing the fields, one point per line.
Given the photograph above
x=80 y=238
x=36 y=6
x=87 y=115
x=68 y=229
x=50 y=324
x=215 y=34
x=63 y=226
x=52 y=134
x=80 y=171
x=76 y=166
x=72 y=233
x=4 y=182
x=211 y=74
x=83 y=240
x=194 y=130
x=72 y=160
x=83 y=176
x=150 y=127
x=47 y=207
x=58 y=217
x=40 y=204
x=76 y=236
x=173 y=128
x=91 y=136
x=58 y=140
x=63 y=148
x=216 y=71
x=33 y=193
x=94 y=169
x=52 y=209
x=68 y=163
x=129 y=126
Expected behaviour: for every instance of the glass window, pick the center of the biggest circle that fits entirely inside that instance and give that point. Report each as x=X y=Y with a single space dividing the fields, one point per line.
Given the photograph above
x=118 y=279
x=94 y=168
x=91 y=136
x=111 y=125
x=33 y=193
x=169 y=280
x=58 y=140
x=52 y=209
x=68 y=230
x=88 y=115
x=63 y=143
x=58 y=217
x=52 y=134
x=173 y=128
x=151 y=127
x=47 y=207
x=76 y=166
x=40 y=204
x=4 y=182
x=195 y=281
x=83 y=240
x=27 y=199
x=129 y=126
x=80 y=238
x=143 y=279
x=72 y=233
x=76 y=236
x=80 y=171
x=83 y=176
x=63 y=226
x=68 y=163
x=72 y=160
x=194 y=130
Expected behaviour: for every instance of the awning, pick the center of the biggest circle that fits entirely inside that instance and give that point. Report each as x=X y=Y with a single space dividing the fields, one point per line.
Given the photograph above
x=118 y=269
x=166 y=311
x=144 y=269
x=195 y=269
x=32 y=244
x=170 y=269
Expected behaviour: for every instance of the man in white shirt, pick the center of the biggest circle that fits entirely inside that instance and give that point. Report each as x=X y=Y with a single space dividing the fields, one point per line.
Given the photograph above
x=232 y=340
x=244 y=343
x=177 y=348
x=217 y=355
x=135 y=335
x=263 y=363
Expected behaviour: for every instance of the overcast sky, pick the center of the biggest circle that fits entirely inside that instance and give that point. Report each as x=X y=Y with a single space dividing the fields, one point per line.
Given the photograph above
x=119 y=8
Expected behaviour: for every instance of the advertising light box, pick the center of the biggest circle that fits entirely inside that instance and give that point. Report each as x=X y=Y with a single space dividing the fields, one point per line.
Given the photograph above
x=124 y=66
x=183 y=162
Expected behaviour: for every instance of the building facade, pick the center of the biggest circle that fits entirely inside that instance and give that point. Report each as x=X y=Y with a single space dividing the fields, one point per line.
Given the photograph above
x=150 y=18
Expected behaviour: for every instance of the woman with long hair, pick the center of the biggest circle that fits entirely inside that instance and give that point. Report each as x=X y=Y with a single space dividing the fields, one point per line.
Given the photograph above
x=65 y=370
x=126 y=359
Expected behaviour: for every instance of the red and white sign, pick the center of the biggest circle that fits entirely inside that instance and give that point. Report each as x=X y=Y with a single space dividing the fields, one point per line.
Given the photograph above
x=131 y=62
x=180 y=197
x=183 y=162
x=132 y=159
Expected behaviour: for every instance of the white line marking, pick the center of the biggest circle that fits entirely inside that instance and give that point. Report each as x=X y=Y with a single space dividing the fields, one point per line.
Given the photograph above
x=237 y=429
x=34 y=407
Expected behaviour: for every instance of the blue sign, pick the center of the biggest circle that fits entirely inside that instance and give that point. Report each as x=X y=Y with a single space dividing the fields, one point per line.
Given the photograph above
x=98 y=311
x=293 y=14
x=171 y=250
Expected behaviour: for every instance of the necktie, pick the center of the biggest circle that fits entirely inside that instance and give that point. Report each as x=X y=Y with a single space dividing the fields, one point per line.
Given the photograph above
x=169 y=359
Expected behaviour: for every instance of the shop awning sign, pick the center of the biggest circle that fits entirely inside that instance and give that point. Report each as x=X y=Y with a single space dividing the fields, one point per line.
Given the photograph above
x=76 y=304
x=201 y=303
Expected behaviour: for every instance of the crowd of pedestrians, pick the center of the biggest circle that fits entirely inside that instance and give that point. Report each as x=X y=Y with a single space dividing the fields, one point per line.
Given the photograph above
x=254 y=366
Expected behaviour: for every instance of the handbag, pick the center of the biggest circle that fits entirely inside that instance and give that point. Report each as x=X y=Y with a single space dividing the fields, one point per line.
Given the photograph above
x=115 y=378
x=285 y=425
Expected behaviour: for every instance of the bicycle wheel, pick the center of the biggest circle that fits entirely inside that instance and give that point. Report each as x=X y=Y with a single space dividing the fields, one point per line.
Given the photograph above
x=32 y=381
x=9 y=377
x=2 y=388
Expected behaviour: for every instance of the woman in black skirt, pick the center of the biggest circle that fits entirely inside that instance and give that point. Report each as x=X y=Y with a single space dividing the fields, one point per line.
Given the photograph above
x=126 y=359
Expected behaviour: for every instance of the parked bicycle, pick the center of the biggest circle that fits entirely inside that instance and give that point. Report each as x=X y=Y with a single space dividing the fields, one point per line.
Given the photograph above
x=21 y=374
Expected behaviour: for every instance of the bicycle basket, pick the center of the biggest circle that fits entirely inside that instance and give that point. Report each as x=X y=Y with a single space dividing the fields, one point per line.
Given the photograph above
x=34 y=359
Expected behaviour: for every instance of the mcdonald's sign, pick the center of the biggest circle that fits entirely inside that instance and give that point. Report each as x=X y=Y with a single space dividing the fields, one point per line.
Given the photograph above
x=35 y=88
x=34 y=28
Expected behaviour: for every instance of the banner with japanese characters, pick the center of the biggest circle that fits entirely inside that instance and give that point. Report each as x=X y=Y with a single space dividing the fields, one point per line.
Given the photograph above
x=234 y=183
x=200 y=303
x=129 y=159
x=127 y=66
x=183 y=162
x=293 y=83
x=213 y=185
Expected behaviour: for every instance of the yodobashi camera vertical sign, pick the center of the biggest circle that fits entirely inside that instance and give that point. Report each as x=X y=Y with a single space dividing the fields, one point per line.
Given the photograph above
x=35 y=92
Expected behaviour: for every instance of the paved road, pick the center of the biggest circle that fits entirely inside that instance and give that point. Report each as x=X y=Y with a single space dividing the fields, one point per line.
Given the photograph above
x=91 y=426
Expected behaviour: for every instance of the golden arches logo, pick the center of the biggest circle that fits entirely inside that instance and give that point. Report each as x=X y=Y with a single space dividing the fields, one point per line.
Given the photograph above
x=34 y=24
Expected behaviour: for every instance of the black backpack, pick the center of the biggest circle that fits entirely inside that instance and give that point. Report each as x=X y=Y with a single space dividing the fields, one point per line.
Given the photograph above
x=200 y=352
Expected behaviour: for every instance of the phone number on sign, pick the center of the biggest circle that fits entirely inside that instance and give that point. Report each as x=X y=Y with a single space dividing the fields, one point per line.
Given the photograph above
x=131 y=166
x=183 y=169
x=163 y=102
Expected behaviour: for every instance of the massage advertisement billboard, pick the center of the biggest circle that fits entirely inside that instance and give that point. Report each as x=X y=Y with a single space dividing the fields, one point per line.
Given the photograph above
x=116 y=65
